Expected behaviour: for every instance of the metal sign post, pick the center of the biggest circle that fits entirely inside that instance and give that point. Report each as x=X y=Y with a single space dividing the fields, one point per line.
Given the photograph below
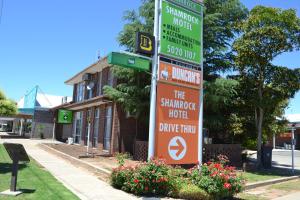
x=293 y=148
x=151 y=144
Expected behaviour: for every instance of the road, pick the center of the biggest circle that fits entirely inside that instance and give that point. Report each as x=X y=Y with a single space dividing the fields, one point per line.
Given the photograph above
x=283 y=158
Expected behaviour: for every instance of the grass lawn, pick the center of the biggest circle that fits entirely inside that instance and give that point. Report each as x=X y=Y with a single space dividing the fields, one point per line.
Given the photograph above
x=33 y=180
x=287 y=186
x=264 y=175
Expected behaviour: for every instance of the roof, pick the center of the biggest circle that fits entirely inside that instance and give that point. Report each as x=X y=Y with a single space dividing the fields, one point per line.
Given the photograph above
x=92 y=69
x=293 y=118
x=46 y=101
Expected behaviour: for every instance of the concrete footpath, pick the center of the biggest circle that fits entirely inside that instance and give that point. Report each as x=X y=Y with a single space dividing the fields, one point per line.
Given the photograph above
x=293 y=196
x=85 y=185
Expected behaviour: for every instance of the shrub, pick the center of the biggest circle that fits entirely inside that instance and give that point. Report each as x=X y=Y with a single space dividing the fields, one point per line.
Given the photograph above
x=219 y=180
x=192 y=192
x=151 y=178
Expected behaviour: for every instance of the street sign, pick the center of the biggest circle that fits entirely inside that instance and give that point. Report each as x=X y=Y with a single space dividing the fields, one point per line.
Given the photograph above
x=145 y=43
x=180 y=33
x=177 y=119
x=65 y=116
x=129 y=61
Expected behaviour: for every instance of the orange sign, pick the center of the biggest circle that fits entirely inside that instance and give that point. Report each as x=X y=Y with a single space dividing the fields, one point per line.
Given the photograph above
x=179 y=75
x=177 y=118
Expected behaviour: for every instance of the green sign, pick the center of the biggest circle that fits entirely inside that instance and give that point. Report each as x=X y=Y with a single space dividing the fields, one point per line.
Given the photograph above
x=181 y=34
x=189 y=4
x=129 y=61
x=65 y=117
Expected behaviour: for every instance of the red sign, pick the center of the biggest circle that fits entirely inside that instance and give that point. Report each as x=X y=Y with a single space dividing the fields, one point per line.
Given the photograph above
x=179 y=75
x=177 y=118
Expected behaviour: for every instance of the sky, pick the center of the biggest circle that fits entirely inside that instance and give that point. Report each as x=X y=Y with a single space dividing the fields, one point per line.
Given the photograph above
x=47 y=42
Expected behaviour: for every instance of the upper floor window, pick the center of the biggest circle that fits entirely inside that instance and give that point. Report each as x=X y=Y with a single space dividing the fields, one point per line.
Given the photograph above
x=80 y=92
x=110 y=78
x=100 y=85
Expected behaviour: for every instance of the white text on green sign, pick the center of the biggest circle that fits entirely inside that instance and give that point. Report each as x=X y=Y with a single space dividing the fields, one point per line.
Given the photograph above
x=180 y=33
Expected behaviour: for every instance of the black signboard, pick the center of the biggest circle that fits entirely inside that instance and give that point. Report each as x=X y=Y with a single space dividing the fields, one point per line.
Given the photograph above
x=145 y=43
x=16 y=152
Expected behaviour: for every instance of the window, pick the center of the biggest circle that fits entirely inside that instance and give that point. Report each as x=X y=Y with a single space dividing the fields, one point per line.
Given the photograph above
x=108 y=128
x=80 y=92
x=110 y=78
x=96 y=127
x=88 y=127
x=100 y=91
x=77 y=127
x=90 y=93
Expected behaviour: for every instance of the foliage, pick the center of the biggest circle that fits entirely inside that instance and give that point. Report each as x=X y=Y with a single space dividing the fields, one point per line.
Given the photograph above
x=221 y=115
x=266 y=33
x=220 y=17
x=151 y=178
x=192 y=192
x=41 y=131
x=220 y=20
x=217 y=179
x=7 y=106
x=121 y=157
x=156 y=178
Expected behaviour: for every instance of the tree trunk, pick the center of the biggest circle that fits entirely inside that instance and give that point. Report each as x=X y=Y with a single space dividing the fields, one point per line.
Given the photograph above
x=259 y=127
x=259 y=137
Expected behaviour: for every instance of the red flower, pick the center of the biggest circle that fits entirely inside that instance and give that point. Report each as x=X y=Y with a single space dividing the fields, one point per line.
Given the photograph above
x=227 y=186
x=136 y=181
x=146 y=188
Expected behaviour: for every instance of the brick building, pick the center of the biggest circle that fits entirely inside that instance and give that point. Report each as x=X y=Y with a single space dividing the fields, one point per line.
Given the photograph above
x=110 y=129
x=284 y=140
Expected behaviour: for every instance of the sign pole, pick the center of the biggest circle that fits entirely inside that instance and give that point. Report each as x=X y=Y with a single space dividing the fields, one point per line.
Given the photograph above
x=200 y=141
x=293 y=148
x=14 y=176
x=151 y=144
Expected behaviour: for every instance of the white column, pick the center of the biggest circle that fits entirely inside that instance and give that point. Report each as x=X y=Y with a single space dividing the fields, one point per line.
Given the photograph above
x=21 y=127
x=155 y=60
x=53 y=131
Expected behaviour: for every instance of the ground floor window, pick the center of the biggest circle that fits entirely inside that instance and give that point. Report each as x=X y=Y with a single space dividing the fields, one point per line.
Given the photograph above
x=88 y=127
x=108 y=128
x=77 y=127
x=96 y=127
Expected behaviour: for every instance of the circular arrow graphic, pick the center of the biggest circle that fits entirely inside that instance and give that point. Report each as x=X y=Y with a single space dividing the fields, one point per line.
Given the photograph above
x=177 y=148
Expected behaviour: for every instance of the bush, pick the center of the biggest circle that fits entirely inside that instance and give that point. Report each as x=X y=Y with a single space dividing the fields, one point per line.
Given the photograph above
x=192 y=192
x=155 y=178
x=219 y=180
x=151 y=178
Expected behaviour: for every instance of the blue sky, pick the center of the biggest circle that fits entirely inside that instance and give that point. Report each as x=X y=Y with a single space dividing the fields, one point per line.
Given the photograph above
x=46 y=42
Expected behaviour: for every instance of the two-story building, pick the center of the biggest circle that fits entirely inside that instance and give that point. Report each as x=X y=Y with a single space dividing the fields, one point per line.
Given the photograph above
x=111 y=129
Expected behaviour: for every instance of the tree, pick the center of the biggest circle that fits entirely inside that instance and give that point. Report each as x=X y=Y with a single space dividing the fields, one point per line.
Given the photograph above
x=7 y=107
x=133 y=90
x=221 y=117
x=267 y=33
